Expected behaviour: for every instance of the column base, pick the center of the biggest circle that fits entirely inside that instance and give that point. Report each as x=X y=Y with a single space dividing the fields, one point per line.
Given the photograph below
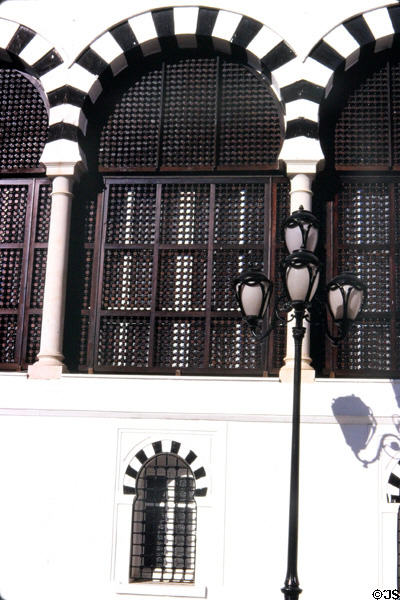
x=45 y=370
x=287 y=371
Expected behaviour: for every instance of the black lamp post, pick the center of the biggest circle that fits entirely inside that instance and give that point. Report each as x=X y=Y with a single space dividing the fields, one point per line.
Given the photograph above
x=300 y=273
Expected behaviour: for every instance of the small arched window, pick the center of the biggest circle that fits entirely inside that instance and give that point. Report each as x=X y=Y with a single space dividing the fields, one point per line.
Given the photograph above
x=163 y=543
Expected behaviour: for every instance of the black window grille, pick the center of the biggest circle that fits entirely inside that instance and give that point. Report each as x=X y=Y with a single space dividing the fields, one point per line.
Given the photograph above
x=360 y=134
x=171 y=228
x=163 y=544
x=25 y=205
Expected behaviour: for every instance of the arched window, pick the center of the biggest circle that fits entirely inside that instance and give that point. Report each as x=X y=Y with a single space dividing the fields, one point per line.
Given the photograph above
x=393 y=499
x=186 y=153
x=24 y=217
x=361 y=138
x=163 y=543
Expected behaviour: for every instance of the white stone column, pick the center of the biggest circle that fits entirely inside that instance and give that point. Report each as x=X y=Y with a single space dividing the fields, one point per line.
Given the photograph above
x=300 y=195
x=302 y=156
x=50 y=363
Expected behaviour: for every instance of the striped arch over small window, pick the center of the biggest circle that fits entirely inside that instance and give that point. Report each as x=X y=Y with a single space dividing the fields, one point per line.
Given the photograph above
x=393 y=497
x=164 y=480
x=393 y=491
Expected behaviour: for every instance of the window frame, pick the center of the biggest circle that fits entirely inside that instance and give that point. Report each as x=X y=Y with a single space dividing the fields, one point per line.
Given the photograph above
x=29 y=285
x=130 y=448
x=350 y=145
x=333 y=247
x=272 y=246
x=165 y=507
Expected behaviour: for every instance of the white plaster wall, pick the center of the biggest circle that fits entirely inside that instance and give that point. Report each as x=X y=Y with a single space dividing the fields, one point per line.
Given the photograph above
x=59 y=465
x=59 y=448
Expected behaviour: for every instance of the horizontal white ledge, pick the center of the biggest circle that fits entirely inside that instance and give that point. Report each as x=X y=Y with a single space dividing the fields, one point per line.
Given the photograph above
x=183 y=590
x=233 y=378
x=188 y=416
x=195 y=399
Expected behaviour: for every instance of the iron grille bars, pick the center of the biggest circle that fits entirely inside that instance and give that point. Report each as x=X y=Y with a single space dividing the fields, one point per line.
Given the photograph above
x=164 y=515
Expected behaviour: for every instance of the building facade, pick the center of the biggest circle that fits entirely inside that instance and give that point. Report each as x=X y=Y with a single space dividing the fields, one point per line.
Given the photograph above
x=148 y=155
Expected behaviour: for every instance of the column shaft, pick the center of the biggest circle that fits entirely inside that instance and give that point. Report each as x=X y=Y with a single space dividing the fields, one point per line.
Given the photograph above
x=300 y=195
x=50 y=358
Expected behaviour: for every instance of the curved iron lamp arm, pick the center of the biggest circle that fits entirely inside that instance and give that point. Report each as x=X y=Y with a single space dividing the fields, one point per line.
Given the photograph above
x=276 y=321
x=279 y=318
x=346 y=295
x=319 y=318
x=343 y=330
x=343 y=323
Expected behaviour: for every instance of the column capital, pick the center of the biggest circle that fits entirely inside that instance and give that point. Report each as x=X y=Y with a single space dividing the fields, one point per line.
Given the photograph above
x=63 y=158
x=73 y=170
x=302 y=155
x=303 y=167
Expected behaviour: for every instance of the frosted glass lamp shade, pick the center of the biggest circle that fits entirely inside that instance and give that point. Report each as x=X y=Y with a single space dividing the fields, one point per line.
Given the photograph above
x=300 y=272
x=253 y=292
x=252 y=299
x=346 y=294
x=301 y=231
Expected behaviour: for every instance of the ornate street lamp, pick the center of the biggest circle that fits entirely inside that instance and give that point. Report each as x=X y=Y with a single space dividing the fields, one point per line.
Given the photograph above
x=300 y=273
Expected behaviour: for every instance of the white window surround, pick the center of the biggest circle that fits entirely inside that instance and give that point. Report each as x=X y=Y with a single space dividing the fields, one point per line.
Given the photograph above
x=122 y=532
x=122 y=552
x=182 y=590
x=388 y=554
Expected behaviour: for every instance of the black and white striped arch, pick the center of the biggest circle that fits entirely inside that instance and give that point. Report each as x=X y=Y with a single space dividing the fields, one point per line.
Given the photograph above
x=149 y=33
x=22 y=47
x=303 y=85
x=342 y=48
x=393 y=488
x=162 y=447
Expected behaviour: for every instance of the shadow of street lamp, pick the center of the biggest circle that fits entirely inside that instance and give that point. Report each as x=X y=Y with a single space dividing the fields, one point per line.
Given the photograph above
x=300 y=272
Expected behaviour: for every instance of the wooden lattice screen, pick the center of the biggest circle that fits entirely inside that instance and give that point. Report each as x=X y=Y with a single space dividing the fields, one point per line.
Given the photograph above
x=24 y=221
x=159 y=297
x=163 y=246
x=23 y=123
x=197 y=114
x=363 y=216
x=24 y=218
